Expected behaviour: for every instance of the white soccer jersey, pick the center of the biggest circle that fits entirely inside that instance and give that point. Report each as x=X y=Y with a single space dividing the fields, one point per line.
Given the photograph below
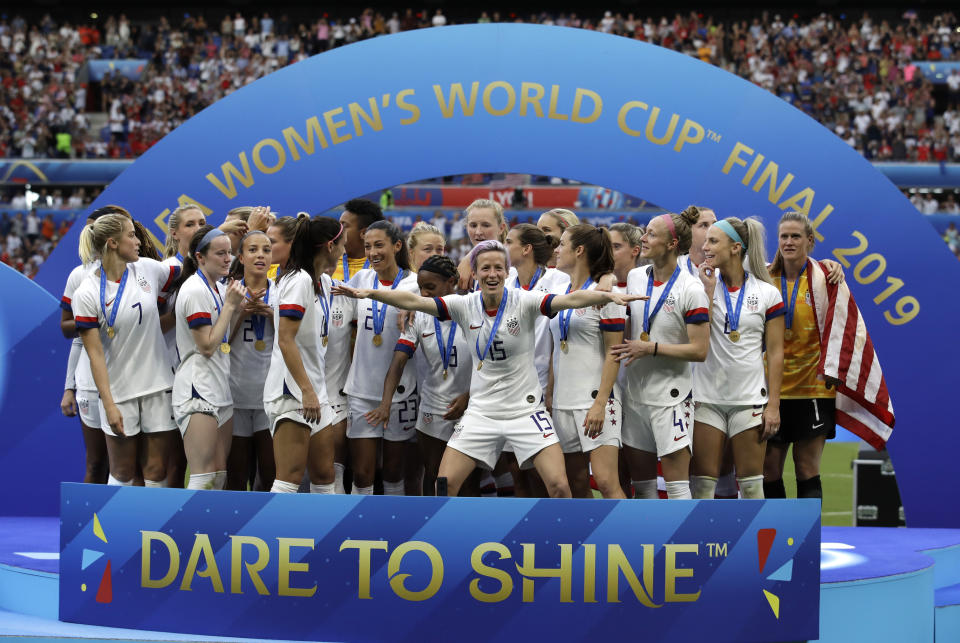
x=577 y=372
x=687 y=264
x=248 y=364
x=436 y=392
x=169 y=303
x=370 y=362
x=297 y=299
x=135 y=356
x=339 y=347
x=733 y=372
x=551 y=281
x=507 y=386
x=661 y=380
x=199 y=376
x=83 y=376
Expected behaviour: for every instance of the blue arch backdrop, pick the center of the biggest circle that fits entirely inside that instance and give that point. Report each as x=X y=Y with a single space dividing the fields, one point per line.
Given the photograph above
x=553 y=101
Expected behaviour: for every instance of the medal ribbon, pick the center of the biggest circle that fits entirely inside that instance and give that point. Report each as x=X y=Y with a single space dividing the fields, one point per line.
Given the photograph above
x=217 y=301
x=380 y=314
x=791 y=303
x=346 y=267
x=496 y=323
x=566 y=314
x=647 y=315
x=734 y=319
x=260 y=321
x=116 y=300
x=445 y=354
x=533 y=282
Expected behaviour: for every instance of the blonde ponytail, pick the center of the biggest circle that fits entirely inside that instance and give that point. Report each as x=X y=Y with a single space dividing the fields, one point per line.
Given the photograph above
x=94 y=237
x=756 y=240
x=88 y=251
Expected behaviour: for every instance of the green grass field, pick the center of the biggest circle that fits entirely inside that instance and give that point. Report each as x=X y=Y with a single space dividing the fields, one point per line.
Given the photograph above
x=836 y=474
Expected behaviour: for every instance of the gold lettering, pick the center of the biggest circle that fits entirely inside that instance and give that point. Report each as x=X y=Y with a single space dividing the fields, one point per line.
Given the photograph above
x=285 y=568
x=511 y=98
x=396 y=580
x=293 y=139
x=564 y=572
x=230 y=172
x=734 y=158
x=800 y=202
x=527 y=99
x=253 y=569
x=685 y=137
x=146 y=540
x=409 y=107
x=652 y=122
x=333 y=126
x=277 y=147
x=753 y=169
x=456 y=94
x=374 y=121
x=622 y=116
x=617 y=562
x=363 y=547
x=578 y=103
x=201 y=545
x=589 y=573
x=552 y=110
x=774 y=191
x=506 y=582
x=672 y=573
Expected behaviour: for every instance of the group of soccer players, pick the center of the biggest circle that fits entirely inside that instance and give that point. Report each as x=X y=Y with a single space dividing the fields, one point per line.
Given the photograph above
x=274 y=353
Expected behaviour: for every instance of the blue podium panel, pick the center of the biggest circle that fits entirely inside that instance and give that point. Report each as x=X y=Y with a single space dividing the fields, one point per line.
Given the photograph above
x=412 y=569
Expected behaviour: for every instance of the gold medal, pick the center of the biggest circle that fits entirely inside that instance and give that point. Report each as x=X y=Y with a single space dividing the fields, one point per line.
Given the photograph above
x=645 y=336
x=377 y=340
x=260 y=345
x=480 y=365
x=563 y=345
x=324 y=341
x=444 y=374
x=111 y=332
x=734 y=336
x=788 y=334
x=225 y=348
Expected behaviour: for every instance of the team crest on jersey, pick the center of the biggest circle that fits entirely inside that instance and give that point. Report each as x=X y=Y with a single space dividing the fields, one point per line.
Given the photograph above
x=513 y=326
x=581 y=312
x=143 y=285
x=427 y=418
x=457 y=429
x=669 y=304
x=84 y=404
x=337 y=318
x=753 y=303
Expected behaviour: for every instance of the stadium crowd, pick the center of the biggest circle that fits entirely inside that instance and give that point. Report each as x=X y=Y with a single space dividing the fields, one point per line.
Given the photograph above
x=859 y=76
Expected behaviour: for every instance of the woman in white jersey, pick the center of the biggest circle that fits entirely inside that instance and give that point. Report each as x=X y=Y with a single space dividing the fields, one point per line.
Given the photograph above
x=668 y=332
x=485 y=221
x=586 y=397
x=115 y=309
x=251 y=345
x=506 y=400
x=442 y=369
x=735 y=399
x=202 y=403
x=552 y=223
x=377 y=334
x=295 y=393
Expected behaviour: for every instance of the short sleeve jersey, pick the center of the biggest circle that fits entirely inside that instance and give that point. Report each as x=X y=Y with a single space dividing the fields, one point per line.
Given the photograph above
x=170 y=303
x=339 y=347
x=83 y=376
x=297 y=300
x=801 y=352
x=249 y=366
x=733 y=372
x=662 y=380
x=197 y=375
x=135 y=356
x=507 y=386
x=551 y=281
x=577 y=372
x=370 y=362
x=422 y=341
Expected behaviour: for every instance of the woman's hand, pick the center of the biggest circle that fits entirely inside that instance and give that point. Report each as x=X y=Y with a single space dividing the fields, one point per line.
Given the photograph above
x=234 y=227
x=256 y=307
x=456 y=408
x=593 y=423
x=236 y=292
x=353 y=293
x=68 y=403
x=834 y=271
x=379 y=415
x=260 y=218
x=405 y=319
x=708 y=277
x=310 y=410
x=622 y=298
x=632 y=349
x=114 y=419
x=771 y=421
x=466 y=275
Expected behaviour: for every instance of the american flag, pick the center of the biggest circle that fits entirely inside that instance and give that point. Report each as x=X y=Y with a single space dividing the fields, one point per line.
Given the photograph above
x=847 y=355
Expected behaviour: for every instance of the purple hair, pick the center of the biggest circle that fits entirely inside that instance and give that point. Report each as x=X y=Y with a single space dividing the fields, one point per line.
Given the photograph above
x=490 y=245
